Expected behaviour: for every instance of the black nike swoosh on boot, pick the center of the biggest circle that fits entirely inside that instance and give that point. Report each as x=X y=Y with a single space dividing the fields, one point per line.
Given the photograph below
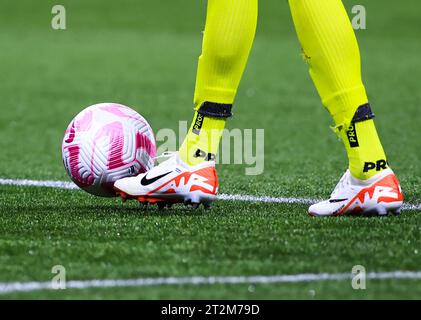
x=145 y=181
x=337 y=200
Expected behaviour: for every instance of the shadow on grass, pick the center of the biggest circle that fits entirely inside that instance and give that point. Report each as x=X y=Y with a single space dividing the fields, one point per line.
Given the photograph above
x=80 y=209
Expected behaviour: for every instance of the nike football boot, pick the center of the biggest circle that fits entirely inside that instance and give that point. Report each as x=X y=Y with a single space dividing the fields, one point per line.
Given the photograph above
x=378 y=195
x=172 y=181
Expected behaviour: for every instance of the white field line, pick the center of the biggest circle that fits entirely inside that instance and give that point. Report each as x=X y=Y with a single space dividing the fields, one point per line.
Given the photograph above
x=237 y=197
x=10 y=287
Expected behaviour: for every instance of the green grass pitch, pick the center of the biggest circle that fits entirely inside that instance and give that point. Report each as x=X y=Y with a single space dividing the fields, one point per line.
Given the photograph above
x=144 y=54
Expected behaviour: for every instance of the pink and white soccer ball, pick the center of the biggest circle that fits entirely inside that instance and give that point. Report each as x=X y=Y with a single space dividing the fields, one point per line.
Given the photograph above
x=106 y=142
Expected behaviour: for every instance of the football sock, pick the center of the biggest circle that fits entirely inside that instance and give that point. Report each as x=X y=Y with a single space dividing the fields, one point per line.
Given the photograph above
x=228 y=37
x=365 y=152
x=331 y=50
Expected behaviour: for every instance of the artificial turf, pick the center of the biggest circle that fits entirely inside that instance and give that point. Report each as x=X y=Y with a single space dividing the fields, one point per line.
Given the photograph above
x=143 y=54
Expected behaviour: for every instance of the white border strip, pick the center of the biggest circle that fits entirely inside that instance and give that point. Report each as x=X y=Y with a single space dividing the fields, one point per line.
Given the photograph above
x=38 y=183
x=231 y=197
x=10 y=287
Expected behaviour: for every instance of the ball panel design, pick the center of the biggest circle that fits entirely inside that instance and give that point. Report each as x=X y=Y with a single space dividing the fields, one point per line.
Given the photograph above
x=106 y=142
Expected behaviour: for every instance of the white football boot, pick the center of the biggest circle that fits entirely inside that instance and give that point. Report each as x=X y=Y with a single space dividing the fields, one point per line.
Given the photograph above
x=378 y=195
x=172 y=181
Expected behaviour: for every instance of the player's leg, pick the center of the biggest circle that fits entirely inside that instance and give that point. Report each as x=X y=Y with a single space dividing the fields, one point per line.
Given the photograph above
x=190 y=175
x=228 y=37
x=331 y=50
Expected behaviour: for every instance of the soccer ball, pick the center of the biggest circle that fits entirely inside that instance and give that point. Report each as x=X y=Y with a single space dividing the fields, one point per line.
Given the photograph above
x=106 y=142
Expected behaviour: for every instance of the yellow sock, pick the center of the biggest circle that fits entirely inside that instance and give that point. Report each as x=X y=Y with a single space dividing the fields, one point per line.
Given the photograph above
x=331 y=50
x=365 y=152
x=228 y=37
